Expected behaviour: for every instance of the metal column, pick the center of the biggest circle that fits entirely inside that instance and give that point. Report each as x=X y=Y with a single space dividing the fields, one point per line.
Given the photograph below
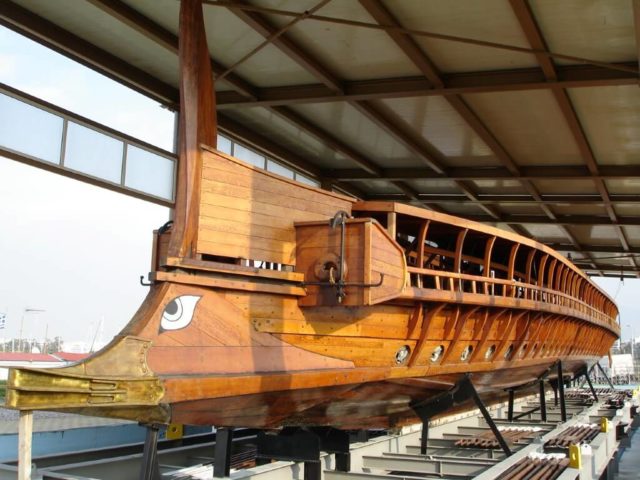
x=560 y=382
x=543 y=402
x=424 y=438
x=149 y=470
x=489 y=420
x=460 y=393
x=605 y=375
x=222 y=452
x=587 y=374
x=510 y=409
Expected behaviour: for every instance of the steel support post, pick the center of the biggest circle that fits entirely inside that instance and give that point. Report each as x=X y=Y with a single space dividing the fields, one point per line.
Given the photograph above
x=489 y=420
x=337 y=442
x=554 y=386
x=587 y=374
x=543 y=402
x=312 y=471
x=149 y=470
x=424 y=438
x=512 y=395
x=524 y=414
x=460 y=393
x=343 y=462
x=304 y=445
x=605 y=375
x=222 y=452
x=560 y=382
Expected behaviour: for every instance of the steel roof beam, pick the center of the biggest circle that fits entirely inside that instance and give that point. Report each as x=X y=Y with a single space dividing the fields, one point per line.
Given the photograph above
x=166 y=39
x=263 y=144
x=413 y=51
x=533 y=172
x=425 y=152
x=613 y=270
x=322 y=73
x=534 y=36
x=455 y=198
x=162 y=36
x=569 y=76
x=590 y=220
x=636 y=23
x=566 y=247
x=261 y=25
x=329 y=140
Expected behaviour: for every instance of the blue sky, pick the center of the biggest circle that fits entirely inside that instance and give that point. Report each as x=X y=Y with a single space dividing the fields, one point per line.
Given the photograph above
x=76 y=250
x=70 y=248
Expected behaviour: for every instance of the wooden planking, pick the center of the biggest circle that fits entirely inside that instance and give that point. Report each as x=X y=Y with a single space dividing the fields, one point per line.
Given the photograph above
x=197 y=125
x=324 y=327
x=249 y=213
x=234 y=186
x=258 y=178
x=361 y=351
x=316 y=244
x=190 y=360
x=386 y=258
x=250 y=204
x=369 y=252
x=227 y=283
x=424 y=294
x=227 y=268
x=422 y=213
x=379 y=322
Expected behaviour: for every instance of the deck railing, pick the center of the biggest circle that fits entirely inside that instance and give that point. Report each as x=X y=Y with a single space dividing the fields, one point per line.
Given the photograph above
x=496 y=287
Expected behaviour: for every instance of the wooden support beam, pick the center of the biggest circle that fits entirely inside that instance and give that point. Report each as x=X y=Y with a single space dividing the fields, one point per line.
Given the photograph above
x=392 y=218
x=25 y=434
x=198 y=125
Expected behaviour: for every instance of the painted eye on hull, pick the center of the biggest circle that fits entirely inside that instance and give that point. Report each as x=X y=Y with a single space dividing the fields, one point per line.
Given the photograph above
x=178 y=313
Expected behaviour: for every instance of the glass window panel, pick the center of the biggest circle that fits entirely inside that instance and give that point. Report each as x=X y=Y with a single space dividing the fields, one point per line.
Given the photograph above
x=279 y=169
x=248 y=156
x=149 y=172
x=30 y=130
x=93 y=153
x=224 y=144
x=307 y=180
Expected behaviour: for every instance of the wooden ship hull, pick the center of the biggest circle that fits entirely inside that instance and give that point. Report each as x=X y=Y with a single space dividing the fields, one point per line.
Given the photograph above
x=278 y=304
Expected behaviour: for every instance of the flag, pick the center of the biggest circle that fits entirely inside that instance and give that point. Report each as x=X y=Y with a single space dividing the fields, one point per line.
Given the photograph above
x=3 y=319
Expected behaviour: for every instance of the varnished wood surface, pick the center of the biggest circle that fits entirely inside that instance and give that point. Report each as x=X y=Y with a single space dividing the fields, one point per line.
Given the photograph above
x=197 y=125
x=399 y=208
x=371 y=257
x=217 y=342
x=246 y=212
x=376 y=404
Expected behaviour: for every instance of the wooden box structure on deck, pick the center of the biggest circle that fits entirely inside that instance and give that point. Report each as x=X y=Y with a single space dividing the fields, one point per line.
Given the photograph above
x=248 y=213
x=371 y=257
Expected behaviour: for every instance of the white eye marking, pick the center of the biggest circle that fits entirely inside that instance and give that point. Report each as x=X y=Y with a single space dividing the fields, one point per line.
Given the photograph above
x=178 y=313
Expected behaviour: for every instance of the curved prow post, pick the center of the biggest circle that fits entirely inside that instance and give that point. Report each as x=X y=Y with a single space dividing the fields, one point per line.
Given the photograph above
x=197 y=125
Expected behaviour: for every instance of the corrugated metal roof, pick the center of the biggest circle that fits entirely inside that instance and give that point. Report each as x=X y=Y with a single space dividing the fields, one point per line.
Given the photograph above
x=528 y=118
